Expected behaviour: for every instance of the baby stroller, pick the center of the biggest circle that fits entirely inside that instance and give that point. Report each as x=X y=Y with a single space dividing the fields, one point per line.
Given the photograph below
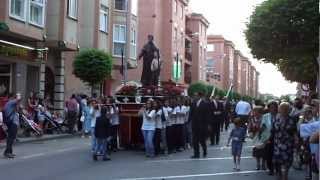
x=49 y=124
x=29 y=126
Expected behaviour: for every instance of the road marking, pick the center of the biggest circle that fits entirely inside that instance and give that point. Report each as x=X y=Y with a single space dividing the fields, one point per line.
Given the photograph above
x=194 y=175
x=32 y=156
x=201 y=159
x=49 y=153
x=226 y=147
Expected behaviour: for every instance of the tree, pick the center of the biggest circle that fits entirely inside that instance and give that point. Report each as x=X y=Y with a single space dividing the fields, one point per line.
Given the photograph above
x=198 y=87
x=92 y=66
x=286 y=33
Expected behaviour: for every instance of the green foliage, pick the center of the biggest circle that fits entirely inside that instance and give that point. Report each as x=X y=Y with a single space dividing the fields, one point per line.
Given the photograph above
x=4 y=26
x=286 y=33
x=92 y=66
x=198 y=87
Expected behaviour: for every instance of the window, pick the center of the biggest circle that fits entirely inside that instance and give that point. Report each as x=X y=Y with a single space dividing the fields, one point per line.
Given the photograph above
x=37 y=12
x=182 y=13
x=182 y=40
x=133 y=44
x=175 y=37
x=18 y=9
x=119 y=39
x=134 y=7
x=120 y=5
x=73 y=8
x=210 y=47
x=104 y=13
x=175 y=6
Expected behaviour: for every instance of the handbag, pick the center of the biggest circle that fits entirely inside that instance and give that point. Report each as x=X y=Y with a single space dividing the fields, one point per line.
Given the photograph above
x=82 y=118
x=154 y=65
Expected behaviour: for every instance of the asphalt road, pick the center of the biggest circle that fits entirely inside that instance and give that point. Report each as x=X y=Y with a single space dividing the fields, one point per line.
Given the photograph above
x=70 y=159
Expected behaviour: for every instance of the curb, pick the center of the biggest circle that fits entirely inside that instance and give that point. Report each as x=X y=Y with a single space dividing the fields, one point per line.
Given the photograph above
x=41 y=139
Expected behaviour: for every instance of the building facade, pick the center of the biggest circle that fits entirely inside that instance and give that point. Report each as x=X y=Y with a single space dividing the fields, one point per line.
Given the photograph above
x=196 y=37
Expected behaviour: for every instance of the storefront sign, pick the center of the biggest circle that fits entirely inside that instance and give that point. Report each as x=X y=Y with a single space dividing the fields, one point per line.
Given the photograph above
x=18 y=52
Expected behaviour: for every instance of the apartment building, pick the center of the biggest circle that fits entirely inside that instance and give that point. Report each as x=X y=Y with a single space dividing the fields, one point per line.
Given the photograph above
x=42 y=38
x=215 y=58
x=196 y=47
x=26 y=66
x=166 y=21
x=244 y=76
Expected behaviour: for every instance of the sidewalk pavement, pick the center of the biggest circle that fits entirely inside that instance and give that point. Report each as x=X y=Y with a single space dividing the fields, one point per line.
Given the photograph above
x=45 y=137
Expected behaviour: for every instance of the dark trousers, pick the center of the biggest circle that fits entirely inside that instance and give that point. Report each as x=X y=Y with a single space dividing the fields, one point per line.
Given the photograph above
x=72 y=118
x=12 y=134
x=176 y=136
x=215 y=133
x=114 y=135
x=199 y=138
x=170 y=138
x=268 y=156
x=180 y=136
x=157 y=141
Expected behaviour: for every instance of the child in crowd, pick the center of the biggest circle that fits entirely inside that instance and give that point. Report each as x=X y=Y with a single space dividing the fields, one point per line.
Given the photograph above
x=101 y=133
x=237 y=136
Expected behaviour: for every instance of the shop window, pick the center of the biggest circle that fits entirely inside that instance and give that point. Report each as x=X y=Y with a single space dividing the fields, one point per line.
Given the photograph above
x=37 y=8
x=18 y=9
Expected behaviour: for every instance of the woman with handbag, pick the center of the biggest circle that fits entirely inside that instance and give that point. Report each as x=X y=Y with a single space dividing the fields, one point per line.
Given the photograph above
x=259 y=142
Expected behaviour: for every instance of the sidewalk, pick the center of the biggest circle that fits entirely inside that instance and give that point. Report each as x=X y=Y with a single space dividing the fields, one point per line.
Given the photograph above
x=46 y=137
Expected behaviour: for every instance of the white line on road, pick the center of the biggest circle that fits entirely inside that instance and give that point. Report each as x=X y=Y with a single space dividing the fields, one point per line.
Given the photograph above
x=202 y=159
x=225 y=147
x=33 y=156
x=194 y=175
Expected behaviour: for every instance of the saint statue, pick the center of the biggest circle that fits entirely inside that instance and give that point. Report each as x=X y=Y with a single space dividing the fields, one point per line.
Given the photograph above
x=151 y=63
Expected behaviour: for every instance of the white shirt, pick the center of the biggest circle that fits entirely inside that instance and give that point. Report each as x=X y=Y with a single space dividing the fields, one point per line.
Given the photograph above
x=167 y=113
x=158 y=119
x=1 y=119
x=94 y=113
x=149 y=122
x=115 y=116
x=175 y=115
x=243 y=108
x=184 y=112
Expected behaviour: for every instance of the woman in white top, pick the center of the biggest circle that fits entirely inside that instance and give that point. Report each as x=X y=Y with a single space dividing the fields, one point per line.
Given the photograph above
x=148 y=127
x=94 y=113
x=157 y=139
x=115 y=122
x=2 y=133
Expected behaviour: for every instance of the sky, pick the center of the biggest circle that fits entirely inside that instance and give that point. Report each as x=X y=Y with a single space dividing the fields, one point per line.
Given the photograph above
x=228 y=18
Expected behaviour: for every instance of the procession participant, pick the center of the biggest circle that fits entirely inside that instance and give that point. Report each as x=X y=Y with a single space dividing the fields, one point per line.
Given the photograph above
x=266 y=127
x=284 y=132
x=94 y=113
x=237 y=137
x=157 y=137
x=115 y=123
x=258 y=139
x=101 y=133
x=217 y=108
x=148 y=127
x=181 y=115
x=168 y=114
x=175 y=130
x=243 y=110
x=187 y=125
x=11 y=120
x=199 y=116
x=225 y=114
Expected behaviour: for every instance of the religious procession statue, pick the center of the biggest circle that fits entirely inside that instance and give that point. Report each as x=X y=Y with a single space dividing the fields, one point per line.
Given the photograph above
x=151 y=63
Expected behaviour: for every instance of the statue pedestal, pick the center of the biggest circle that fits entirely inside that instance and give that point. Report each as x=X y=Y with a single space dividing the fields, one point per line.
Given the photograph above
x=130 y=125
